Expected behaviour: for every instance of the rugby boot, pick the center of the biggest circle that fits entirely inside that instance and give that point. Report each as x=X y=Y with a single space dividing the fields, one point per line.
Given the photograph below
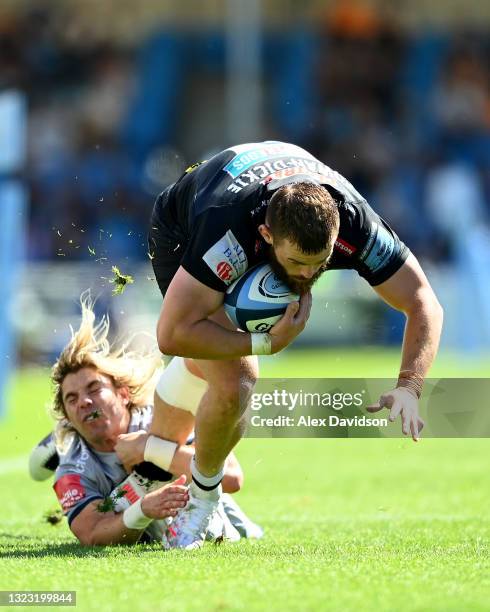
x=188 y=529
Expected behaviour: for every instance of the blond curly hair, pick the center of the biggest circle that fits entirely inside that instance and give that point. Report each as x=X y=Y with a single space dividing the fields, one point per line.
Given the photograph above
x=89 y=346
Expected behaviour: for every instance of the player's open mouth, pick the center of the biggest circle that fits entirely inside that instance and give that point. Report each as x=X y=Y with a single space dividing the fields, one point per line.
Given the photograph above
x=92 y=416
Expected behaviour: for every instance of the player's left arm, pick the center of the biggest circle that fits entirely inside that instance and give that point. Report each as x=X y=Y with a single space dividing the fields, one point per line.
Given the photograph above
x=94 y=527
x=409 y=291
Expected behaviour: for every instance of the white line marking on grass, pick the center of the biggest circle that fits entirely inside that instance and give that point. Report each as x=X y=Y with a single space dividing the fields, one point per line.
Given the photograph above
x=14 y=464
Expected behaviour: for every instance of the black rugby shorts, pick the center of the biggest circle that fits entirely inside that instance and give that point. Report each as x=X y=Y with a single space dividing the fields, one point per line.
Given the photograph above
x=166 y=242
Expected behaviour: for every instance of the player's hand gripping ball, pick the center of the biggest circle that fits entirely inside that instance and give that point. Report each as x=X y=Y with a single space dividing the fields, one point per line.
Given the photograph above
x=257 y=300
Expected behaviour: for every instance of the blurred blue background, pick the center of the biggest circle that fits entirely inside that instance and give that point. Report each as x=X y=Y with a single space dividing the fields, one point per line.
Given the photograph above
x=123 y=96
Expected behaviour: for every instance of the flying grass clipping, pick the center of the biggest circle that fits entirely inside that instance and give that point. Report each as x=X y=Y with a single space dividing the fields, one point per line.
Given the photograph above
x=120 y=281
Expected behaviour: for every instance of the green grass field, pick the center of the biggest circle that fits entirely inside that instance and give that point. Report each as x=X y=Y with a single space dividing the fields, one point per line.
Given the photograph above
x=374 y=524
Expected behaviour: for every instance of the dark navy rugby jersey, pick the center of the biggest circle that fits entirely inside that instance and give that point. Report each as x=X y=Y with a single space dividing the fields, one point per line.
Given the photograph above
x=217 y=206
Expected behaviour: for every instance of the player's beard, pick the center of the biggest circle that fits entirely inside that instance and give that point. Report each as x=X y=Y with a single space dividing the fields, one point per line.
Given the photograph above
x=295 y=284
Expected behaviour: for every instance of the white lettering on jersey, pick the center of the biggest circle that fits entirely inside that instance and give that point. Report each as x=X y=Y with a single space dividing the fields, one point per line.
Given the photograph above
x=249 y=154
x=226 y=258
x=69 y=490
x=296 y=164
x=82 y=460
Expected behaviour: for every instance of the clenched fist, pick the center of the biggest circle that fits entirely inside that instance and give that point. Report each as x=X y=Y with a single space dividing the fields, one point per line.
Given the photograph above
x=130 y=448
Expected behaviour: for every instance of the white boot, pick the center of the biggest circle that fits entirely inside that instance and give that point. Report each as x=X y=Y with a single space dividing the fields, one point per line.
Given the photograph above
x=188 y=529
x=221 y=528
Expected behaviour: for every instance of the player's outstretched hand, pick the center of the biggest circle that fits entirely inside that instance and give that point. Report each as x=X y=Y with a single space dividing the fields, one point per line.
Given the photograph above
x=130 y=448
x=291 y=324
x=401 y=401
x=167 y=500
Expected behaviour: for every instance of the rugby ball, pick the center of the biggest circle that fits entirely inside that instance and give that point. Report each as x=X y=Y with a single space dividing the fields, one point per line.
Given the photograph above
x=257 y=300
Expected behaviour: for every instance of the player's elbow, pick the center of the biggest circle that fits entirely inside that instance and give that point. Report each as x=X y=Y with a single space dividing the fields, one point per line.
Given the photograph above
x=233 y=481
x=86 y=538
x=438 y=311
x=237 y=482
x=435 y=309
x=91 y=539
x=426 y=301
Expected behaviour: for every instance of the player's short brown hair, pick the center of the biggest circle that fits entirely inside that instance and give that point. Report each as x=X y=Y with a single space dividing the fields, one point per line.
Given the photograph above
x=304 y=213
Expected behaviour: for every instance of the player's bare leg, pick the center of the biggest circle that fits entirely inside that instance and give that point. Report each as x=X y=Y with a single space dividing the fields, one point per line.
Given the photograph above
x=177 y=397
x=180 y=392
x=219 y=425
x=219 y=420
x=171 y=423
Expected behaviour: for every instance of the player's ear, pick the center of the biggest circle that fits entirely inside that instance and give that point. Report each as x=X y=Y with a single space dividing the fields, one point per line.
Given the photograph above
x=265 y=232
x=123 y=392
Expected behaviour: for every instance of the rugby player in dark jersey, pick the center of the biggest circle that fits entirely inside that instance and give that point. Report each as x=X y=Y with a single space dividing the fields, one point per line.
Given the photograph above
x=275 y=202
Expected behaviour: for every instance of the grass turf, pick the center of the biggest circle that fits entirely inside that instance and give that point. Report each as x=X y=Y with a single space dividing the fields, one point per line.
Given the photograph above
x=350 y=524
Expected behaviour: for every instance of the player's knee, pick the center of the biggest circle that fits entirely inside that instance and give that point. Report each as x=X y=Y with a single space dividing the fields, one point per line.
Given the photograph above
x=234 y=394
x=167 y=337
x=225 y=402
x=226 y=399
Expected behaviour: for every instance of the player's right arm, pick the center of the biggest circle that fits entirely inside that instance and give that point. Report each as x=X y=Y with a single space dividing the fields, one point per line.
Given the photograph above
x=130 y=449
x=95 y=528
x=92 y=528
x=186 y=329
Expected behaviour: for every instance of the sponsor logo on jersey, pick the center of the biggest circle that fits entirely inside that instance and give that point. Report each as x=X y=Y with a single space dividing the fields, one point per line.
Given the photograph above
x=253 y=153
x=224 y=271
x=287 y=172
x=380 y=248
x=289 y=166
x=82 y=460
x=69 y=490
x=345 y=247
x=227 y=258
x=258 y=162
x=130 y=494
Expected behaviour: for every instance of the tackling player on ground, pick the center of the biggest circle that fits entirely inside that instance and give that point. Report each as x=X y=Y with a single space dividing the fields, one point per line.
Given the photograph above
x=273 y=202
x=103 y=404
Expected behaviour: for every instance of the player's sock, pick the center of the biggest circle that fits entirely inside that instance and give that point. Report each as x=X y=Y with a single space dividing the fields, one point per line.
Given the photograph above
x=205 y=487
